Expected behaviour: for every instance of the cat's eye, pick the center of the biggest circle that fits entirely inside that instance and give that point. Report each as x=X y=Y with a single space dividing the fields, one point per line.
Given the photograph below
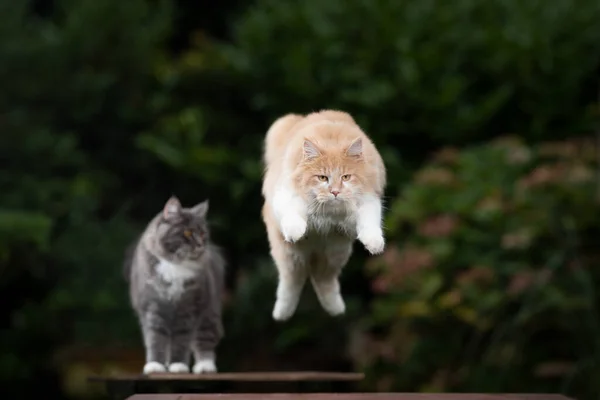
x=346 y=177
x=187 y=233
x=322 y=178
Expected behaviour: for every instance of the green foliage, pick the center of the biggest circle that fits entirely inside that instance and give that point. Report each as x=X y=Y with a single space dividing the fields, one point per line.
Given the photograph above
x=24 y=226
x=73 y=86
x=423 y=73
x=490 y=283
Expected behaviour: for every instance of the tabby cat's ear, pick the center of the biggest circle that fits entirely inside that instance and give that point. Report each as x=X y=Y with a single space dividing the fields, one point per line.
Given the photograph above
x=172 y=207
x=355 y=149
x=200 y=209
x=310 y=150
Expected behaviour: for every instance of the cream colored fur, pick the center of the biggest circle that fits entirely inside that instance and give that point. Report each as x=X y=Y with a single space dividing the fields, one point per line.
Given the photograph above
x=323 y=184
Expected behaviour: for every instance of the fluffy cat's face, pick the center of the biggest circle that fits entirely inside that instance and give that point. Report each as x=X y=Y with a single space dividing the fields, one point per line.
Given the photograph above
x=182 y=233
x=332 y=174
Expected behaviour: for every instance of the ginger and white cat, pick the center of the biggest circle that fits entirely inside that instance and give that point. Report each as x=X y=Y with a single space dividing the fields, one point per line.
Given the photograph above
x=323 y=185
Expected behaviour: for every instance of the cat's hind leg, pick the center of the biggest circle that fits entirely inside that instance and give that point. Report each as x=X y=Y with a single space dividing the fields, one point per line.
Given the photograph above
x=292 y=277
x=324 y=275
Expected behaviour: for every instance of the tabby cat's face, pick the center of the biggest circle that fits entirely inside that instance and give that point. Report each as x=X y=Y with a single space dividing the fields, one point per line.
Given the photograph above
x=182 y=233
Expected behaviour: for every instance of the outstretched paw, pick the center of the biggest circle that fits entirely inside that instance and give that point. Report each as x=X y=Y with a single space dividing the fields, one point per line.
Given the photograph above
x=373 y=240
x=293 y=228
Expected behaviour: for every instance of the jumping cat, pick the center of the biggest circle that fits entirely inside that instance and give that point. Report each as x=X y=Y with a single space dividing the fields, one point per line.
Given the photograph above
x=176 y=278
x=323 y=186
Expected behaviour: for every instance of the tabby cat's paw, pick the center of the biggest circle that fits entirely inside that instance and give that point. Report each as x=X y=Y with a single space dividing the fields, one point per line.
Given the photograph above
x=373 y=240
x=179 y=368
x=204 y=366
x=153 y=367
x=293 y=228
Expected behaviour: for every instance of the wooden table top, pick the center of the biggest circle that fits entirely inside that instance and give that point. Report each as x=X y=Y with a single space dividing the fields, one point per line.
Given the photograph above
x=349 y=396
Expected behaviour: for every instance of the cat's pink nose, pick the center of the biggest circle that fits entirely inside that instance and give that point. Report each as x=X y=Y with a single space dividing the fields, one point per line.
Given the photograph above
x=335 y=192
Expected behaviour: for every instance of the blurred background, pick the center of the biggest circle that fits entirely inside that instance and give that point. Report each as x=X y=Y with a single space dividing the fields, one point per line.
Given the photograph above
x=486 y=113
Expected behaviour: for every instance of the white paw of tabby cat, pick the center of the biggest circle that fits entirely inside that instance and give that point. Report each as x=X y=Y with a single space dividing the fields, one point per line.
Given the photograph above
x=293 y=228
x=334 y=305
x=373 y=240
x=153 y=367
x=204 y=366
x=283 y=310
x=179 y=368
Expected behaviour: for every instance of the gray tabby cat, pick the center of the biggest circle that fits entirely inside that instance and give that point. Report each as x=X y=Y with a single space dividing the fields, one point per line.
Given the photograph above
x=176 y=278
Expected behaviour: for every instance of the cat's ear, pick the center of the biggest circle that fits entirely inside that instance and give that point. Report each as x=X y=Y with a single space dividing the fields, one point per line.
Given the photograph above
x=355 y=149
x=310 y=150
x=200 y=209
x=172 y=207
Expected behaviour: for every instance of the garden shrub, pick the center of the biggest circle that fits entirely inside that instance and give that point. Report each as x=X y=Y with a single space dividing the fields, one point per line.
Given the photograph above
x=489 y=280
x=74 y=88
x=419 y=74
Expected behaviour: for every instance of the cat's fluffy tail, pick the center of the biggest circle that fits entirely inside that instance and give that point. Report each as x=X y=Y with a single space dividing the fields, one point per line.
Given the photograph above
x=276 y=137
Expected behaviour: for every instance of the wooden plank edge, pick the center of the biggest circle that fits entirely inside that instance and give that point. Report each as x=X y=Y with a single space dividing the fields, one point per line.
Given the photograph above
x=238 y=376
x=352 y=396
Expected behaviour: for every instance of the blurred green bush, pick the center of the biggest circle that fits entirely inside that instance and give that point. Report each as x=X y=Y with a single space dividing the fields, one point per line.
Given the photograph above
x=491 y=282
x=420 y=74
x=73 y=90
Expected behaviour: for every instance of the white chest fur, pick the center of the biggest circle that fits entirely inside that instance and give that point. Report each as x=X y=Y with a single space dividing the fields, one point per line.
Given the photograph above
x=175 y=275
x=333 y=218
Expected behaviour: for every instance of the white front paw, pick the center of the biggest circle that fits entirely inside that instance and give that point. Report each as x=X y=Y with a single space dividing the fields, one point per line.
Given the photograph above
x=204 y=366
x=179 y=368
x=293 y=227
x=153 y=367
x=373 y=240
